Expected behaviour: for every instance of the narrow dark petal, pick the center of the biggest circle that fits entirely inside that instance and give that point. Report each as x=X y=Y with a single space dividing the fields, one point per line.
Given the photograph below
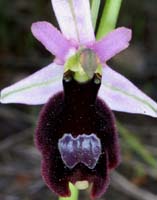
x=78 y=112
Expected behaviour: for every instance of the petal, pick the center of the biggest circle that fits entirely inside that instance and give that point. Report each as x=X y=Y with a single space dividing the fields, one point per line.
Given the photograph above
x=37 y=88
x=121 y=95
x=112 y=44
x=52 y=39
x=74 y=19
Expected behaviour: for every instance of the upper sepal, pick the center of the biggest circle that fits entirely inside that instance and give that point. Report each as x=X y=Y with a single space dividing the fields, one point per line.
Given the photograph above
x=74 y=19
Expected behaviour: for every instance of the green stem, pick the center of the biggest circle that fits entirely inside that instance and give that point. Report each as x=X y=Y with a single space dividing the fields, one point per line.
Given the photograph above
x=74 y=193
x=109 y=17
x=94 y=11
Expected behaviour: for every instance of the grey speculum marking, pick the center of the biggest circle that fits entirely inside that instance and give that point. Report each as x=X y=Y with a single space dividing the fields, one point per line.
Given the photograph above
x=85 y=149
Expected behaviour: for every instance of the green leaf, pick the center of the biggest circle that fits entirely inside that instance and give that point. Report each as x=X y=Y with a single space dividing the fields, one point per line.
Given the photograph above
x=135 y=144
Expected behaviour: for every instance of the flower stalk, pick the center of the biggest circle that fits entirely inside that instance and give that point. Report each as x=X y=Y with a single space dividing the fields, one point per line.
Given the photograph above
x=109 y=17
x=74 y=193
x=95 y=4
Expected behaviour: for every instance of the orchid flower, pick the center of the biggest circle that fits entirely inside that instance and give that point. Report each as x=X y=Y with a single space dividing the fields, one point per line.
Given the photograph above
x=76 y=132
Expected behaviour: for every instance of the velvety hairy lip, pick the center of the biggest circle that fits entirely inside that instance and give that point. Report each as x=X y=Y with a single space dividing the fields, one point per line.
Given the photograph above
x=78 y=111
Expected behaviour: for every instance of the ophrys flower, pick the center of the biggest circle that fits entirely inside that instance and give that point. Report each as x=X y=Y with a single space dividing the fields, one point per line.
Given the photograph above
x=78 y=118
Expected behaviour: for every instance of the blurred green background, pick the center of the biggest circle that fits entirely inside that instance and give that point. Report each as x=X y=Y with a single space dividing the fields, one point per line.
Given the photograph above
x=21 y=55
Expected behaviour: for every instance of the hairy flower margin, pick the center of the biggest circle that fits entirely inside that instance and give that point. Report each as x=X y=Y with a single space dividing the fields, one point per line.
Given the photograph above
x=77 y=32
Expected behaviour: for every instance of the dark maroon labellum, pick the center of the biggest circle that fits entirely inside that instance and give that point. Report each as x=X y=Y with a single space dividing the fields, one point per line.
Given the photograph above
x=84 y=149
x=90 y=123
